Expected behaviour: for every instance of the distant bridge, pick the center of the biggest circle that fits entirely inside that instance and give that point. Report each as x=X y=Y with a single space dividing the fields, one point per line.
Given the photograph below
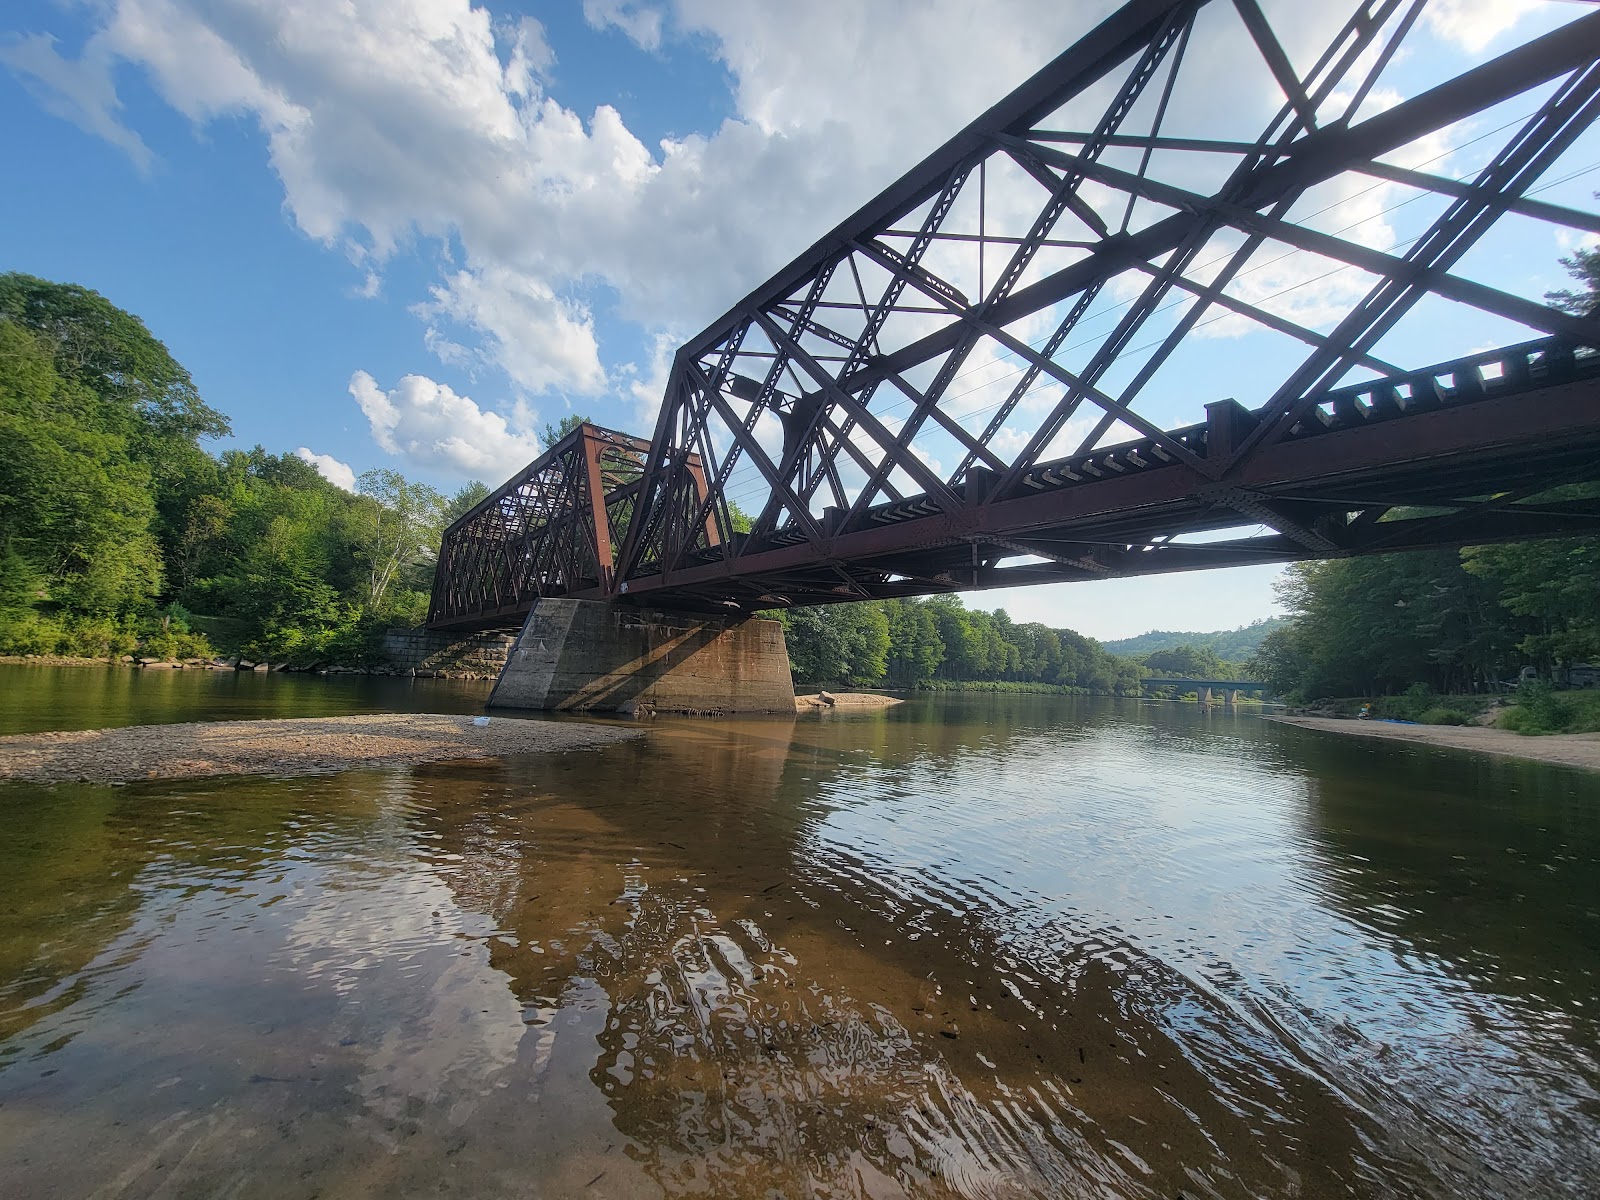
x=1231 y=688
x=827 y=405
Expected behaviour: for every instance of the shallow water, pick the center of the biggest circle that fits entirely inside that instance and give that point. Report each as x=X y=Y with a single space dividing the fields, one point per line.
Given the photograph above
x=969 y=946
x=93 y=697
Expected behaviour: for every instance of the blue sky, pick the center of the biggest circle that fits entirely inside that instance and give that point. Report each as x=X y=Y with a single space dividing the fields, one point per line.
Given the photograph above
x=407 y=233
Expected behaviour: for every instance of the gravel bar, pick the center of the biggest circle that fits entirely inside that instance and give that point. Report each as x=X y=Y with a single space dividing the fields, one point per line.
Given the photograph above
x=303 y=746
x=1563 y=749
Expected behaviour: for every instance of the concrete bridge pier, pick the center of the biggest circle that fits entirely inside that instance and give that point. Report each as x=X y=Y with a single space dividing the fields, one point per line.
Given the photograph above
x=597 y=656
x=1205 y=695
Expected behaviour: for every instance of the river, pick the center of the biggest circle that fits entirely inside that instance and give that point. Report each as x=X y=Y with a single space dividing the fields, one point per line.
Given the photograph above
x=973 y=945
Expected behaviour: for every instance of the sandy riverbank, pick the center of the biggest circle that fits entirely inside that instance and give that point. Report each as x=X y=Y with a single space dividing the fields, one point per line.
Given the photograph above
x=1566 y=749
x=843 y=700
x=304 y=746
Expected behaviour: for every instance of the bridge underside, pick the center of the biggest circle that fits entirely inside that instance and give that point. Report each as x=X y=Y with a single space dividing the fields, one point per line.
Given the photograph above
x=1378 y=469
x=1460 y=455
x=958 y=387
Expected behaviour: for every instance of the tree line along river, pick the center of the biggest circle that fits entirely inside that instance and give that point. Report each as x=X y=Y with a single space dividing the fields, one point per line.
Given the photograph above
x=974 y=945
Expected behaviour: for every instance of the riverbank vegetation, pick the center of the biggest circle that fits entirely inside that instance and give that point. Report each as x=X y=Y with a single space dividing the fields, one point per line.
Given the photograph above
x=1542 y=709
x=1412 y=630
x=940 y=643
x=120 y=533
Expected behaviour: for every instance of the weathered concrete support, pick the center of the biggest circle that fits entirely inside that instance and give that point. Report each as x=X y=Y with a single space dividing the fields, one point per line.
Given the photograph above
x=1205 y=695
x=422 y=651
x=594 y=656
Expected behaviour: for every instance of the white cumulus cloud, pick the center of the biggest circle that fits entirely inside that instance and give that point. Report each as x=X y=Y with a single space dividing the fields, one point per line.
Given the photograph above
x=340 y=474
x=395 y=122
x=542 y=341
x=432 y=428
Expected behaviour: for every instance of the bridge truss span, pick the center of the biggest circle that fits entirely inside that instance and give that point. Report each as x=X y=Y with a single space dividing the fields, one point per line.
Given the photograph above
x=995 y=372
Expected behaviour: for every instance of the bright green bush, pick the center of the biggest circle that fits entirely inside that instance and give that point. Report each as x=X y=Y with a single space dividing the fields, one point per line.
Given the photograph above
x=24 y=631
x=1541 y=709
x=28 y=631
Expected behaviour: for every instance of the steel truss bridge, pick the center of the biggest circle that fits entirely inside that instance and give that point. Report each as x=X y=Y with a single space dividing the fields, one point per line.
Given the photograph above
x=969 y=382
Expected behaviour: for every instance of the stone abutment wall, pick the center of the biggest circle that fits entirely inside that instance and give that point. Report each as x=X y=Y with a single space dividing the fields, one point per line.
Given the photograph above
x=449 y=656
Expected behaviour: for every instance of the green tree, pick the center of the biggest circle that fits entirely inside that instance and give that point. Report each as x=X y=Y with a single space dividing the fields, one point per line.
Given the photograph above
x=466 y=498
x=75 y=508
x=1375 y=626
x=284 y=572
x=1186 y=662
x=837 y=643
x=1280 y=661
x=554 y=433
x=817 y=649
x=398 y=526
x=1555 y=587
x=1584 y=266
x=146 y=395
x=867 y=639
x=915 y=649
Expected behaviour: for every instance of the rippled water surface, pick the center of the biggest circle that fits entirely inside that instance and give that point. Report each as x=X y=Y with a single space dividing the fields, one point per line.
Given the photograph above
x=970 y=946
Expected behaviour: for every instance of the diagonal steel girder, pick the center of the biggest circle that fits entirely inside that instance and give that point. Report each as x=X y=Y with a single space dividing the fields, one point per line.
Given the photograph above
x=1316 y=158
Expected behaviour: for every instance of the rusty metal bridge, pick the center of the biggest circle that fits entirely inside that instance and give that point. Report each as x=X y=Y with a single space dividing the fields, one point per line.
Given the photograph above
x=961 y=386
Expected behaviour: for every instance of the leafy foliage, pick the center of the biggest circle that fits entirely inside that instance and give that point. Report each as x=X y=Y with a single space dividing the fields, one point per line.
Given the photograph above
x=1584 y=267
x=551 y=434
x=939 y=642
x=1541 y=709
x=1441 y=620
x=116 y=526
x=465 y=500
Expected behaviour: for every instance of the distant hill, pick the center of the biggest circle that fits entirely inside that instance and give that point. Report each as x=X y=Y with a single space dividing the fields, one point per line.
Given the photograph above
x=1235 y=645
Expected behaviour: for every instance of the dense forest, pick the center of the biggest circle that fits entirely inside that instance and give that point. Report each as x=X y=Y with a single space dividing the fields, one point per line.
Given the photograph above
x=940 y=642
x=1454 y=621
x=1234 y=645
x=118 y=530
